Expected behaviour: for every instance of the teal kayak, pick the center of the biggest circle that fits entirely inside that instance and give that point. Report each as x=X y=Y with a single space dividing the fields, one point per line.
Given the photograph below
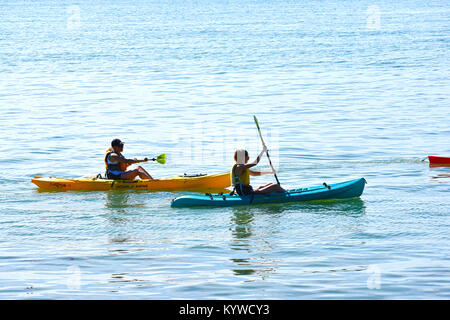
x=342 y=190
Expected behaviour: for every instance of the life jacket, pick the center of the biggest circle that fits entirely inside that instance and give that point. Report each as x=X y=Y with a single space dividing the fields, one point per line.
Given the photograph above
x=119 y=166
x=243 y=179
x=241 y=183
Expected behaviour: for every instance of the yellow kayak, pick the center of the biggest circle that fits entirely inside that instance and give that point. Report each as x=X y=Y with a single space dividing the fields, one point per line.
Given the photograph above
x=214 y=181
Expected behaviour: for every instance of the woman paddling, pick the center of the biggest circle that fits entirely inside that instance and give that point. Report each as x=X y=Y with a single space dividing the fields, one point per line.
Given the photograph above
x=240 y=175
x=116 y=164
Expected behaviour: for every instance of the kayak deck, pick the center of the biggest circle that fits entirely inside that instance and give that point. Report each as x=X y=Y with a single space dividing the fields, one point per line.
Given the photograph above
x=215 y=181
x=342 y=190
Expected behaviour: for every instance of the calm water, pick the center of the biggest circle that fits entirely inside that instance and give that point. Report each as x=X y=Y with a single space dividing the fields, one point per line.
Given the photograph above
x=342 y=90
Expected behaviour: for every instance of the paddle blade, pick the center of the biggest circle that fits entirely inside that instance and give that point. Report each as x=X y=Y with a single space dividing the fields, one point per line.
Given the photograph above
x=161 y=158
x=256 y=121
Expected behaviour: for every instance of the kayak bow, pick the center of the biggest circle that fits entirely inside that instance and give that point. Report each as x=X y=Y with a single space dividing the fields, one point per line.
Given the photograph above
x=439 y=160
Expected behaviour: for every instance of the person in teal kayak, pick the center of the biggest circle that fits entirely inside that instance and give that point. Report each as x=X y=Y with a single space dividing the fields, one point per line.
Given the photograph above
x=240 y=175
x=116 y=164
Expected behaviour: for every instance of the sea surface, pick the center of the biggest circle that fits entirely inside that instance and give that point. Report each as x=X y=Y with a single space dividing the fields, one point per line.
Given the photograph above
x=341 y=89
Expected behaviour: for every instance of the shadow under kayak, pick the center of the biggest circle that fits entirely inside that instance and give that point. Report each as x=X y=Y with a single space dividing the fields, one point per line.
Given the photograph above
x=342 y=190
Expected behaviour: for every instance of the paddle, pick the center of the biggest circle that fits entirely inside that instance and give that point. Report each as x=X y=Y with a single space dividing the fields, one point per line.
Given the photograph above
x=267 y=151
x=160 y=159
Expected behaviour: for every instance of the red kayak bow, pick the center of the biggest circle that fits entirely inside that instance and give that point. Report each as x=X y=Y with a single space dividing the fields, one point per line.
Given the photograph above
x=439 y=160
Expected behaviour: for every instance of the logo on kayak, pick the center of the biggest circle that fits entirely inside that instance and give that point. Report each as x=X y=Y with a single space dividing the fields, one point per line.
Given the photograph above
x=58 y=185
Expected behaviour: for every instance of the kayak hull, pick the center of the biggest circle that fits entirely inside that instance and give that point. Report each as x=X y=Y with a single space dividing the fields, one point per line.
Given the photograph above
x=439 y=160
x=215 y=181
x=343 y=190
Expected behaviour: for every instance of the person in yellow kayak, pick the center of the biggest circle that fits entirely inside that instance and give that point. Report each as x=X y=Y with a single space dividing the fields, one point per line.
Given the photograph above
x=240 y=175
x=116 y=164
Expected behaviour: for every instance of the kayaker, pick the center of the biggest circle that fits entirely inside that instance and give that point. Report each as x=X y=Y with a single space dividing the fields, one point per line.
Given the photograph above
x=240 y=174
x=116 y=164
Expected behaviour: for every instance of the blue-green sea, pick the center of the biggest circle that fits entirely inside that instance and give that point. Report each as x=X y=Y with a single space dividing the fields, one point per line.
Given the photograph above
x=341 y=89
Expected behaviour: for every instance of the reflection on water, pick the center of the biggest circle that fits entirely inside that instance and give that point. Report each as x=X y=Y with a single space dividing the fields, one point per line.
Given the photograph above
x=251 y=248
x=121 y=200
x=251 y=234
x=241 y=271
x=242 y=227
x=117 y=200
x=354 y=207
x=121 y=205
x=441 y=176
x=122 y=279
x=348 y=207
x=242 y=231
x=440 y=173
x=40 y=190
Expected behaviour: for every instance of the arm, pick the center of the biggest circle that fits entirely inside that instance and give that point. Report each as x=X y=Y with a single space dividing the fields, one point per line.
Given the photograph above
x=129 y=161
x=260 y=173
x=116 y=158
x=241 y=167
